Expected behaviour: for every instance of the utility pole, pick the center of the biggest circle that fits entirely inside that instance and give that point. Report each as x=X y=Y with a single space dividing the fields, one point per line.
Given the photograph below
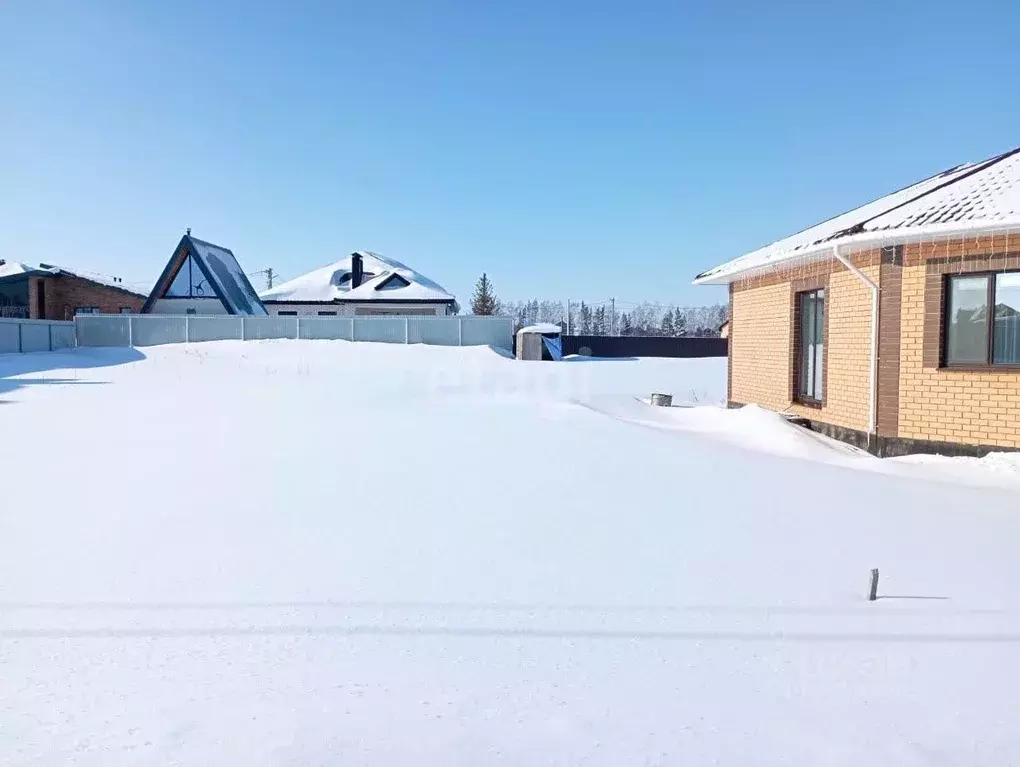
x=612 y=317
x=269 y=278
x=568 y=316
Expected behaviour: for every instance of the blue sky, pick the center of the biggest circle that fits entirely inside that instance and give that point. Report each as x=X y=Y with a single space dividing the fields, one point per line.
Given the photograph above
x=570 y=149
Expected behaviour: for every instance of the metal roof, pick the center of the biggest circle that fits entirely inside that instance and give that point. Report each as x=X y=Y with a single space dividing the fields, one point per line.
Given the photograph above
x=965 y=197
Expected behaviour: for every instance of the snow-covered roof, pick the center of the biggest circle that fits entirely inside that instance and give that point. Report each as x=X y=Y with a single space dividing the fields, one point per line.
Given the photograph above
x=219 y=266
x=384 y=279
x=966 y=198
x=19 y=269
x=541 y=327
x=15 y=269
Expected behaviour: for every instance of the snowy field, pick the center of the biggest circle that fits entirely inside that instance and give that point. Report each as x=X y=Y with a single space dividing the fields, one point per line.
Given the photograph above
x=292 y=553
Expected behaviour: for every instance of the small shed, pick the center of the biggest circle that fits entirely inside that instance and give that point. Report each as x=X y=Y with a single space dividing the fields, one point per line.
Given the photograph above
x=539 y=342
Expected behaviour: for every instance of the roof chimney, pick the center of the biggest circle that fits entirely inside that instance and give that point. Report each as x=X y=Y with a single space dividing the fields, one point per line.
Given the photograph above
x=357 y=270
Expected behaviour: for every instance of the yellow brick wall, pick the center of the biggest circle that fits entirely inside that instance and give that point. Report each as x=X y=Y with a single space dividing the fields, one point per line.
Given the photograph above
x=848 y=305
x=760 y=334
x=979 y=408
x=760 y=338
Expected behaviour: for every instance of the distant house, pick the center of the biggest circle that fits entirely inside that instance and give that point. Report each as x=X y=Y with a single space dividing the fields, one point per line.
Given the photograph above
x=894 y=326
x=363 y=284
x=724 y=329
x=202 y=278
x=48 y=292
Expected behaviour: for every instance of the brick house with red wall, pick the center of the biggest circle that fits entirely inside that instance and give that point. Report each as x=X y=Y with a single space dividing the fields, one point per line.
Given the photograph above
x=47 y=292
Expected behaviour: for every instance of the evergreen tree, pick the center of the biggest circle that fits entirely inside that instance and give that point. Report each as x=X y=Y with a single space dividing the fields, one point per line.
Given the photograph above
x=667 y=323
x=625 y=328
x=484 y=302
x=679 y=323
x=599 y=322
x=585 y=319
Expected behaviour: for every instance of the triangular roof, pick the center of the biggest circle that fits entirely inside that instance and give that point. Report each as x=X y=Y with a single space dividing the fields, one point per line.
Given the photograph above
x=963 y=199
x=219 y=267
x=385 y=279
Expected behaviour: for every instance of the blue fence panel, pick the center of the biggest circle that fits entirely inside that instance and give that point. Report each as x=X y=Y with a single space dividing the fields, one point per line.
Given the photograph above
x=214 y=328
x=440 y=331
x=327 y=328
x=487 y=331
x=62 y=335
x=9 y=331
x=103 y=331
x=391 y=330
x=21 y=335
x=265 y=328
x=35 y=337
x=153 y=329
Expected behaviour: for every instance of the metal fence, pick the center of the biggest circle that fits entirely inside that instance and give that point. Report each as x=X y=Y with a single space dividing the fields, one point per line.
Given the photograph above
x=152 y=329
x=644 y=346
x=35 y=335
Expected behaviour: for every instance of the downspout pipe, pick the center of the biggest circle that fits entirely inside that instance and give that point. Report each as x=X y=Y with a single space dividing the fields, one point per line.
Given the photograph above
x=873 y=398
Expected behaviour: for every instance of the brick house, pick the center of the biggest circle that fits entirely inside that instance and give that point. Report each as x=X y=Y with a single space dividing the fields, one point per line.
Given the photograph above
x=895 y=326
x=47 y=292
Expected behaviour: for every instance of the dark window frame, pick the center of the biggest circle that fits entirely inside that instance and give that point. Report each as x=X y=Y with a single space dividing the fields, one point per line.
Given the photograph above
x=798 y=345
x=287 y=314
x=989 y=363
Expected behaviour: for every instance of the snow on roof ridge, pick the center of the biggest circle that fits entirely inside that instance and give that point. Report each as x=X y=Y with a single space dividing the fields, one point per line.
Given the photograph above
x=917 y=208
x=323 y=284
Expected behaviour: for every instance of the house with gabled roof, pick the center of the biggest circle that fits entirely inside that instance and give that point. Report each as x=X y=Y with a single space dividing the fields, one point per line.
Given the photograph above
x=364 y=283
x=894 y=326
x=203 y=278
x=50 y=292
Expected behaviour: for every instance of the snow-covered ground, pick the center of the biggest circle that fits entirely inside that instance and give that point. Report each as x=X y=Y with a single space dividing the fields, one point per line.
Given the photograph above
x=322 y=552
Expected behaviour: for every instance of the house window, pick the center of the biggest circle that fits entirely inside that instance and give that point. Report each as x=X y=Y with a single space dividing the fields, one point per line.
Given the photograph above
x=810 y=345
x=86 y=310
x=125 y=310
x=982 y=322
x=287 y=314
x=327 y=314
x=191 y=311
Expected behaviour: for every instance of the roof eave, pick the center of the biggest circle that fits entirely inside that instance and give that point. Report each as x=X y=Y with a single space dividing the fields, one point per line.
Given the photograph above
x=861 y=241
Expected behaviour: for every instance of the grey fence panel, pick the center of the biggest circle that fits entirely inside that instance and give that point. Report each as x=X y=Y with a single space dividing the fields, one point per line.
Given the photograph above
x=21 y=335
x=153 y=329
x=35 y=338
x=327 y=328
x=219 y=328
x=9 y=332
x=265 y=328
x=439 y=331
x=103 y=331
x=487 y=331
x=391 y=330
x=62 y=335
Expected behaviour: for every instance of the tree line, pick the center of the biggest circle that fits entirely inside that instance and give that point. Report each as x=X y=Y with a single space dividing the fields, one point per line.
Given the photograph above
x=603 y=318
